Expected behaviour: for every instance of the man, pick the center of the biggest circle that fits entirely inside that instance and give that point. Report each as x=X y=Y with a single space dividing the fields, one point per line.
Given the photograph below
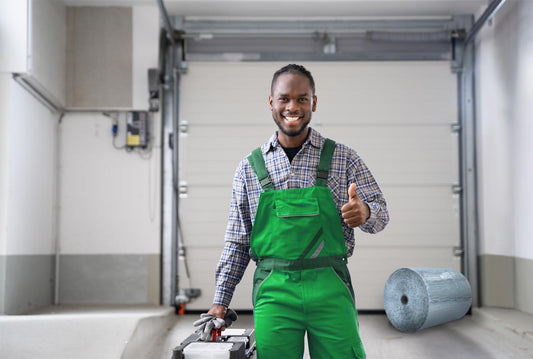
x=295 y=203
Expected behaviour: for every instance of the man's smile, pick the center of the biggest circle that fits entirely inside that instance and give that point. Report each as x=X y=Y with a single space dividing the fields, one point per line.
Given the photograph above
x=291 y=118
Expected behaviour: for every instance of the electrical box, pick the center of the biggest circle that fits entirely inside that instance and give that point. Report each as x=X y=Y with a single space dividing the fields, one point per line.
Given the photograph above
x=137 y=129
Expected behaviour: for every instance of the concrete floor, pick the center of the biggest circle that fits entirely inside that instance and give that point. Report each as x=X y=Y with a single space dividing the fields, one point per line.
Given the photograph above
x=139 y=332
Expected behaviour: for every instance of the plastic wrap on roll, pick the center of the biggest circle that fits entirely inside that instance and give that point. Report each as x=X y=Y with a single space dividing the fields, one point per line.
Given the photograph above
x=419 y=298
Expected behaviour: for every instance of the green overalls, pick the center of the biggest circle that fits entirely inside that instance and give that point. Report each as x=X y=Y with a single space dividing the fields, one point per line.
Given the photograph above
x=301 y=282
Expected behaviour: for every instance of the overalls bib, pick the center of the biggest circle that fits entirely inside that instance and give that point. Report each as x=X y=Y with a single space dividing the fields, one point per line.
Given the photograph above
x=301 y=282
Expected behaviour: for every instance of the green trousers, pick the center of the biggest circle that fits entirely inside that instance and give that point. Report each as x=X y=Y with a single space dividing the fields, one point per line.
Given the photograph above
x=317 y=301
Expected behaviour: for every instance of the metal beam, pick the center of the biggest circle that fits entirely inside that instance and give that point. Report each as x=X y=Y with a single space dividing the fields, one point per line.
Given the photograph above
x=38 y=93
x=238 y=28
x=355 y=56
x=168 y=223
x=487 y=15
x=166 y=21
x=171 y=242
x=465 y=68
x=334 y=40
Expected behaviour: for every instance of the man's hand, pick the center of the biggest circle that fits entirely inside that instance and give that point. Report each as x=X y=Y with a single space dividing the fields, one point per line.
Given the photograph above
x=214 y=319
x=355 y=212
x=218 y=318
x=228 y=314
x=218 y=311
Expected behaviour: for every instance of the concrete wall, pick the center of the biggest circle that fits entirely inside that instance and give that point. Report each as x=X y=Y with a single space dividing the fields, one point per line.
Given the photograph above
x=100 y=57
x=504 y=81
x=109 y=198
x=28 y=153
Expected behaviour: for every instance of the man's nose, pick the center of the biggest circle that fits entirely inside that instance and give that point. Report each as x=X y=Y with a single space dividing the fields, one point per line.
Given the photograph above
x=292 y=106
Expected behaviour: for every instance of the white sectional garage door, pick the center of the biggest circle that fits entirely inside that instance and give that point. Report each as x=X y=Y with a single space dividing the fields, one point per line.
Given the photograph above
x=397 y=115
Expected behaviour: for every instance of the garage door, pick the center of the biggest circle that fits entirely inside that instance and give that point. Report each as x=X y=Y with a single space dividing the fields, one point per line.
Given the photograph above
x=397 y=115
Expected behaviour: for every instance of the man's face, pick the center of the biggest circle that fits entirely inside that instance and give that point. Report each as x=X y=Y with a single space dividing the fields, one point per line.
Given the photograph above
x=292 y=103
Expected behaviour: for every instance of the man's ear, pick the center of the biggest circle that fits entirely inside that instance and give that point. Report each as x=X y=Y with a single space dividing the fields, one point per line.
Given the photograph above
x=314 y=103
x=270 y=102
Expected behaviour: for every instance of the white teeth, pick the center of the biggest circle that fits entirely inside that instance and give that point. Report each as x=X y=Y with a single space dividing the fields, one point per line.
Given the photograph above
x=290 y=119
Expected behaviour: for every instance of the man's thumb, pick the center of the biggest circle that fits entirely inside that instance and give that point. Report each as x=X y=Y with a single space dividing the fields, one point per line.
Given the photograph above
x=351 y=191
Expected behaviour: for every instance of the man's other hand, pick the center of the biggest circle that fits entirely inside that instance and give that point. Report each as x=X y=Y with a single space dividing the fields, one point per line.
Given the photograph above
x=355 y=212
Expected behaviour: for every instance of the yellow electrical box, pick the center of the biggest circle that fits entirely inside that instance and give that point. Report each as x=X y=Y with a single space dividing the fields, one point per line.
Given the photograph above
x=137 y=129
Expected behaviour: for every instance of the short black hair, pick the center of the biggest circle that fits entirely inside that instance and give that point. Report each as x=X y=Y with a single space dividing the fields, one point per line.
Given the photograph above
x=293 y=69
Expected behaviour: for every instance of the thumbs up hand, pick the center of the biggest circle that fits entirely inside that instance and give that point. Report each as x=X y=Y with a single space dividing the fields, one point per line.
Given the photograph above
x=355 y=212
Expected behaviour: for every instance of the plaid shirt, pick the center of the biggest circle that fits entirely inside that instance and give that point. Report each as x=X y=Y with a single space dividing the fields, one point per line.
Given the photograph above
x=346 y=168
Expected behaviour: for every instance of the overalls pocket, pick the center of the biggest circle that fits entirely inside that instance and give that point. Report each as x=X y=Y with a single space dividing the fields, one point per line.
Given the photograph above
x=296 y=224
x=297 y=207
x=359 y=351
x=260 y=276
x=344 y=276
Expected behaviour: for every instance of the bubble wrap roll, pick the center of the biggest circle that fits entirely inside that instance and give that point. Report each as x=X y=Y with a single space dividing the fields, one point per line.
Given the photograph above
x=419 y=298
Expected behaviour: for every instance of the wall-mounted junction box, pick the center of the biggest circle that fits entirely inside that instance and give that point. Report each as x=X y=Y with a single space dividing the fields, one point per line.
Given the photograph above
x=137 y=129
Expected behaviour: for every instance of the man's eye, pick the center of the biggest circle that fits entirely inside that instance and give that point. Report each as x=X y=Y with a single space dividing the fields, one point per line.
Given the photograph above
x=283 y=99
x=303 y=99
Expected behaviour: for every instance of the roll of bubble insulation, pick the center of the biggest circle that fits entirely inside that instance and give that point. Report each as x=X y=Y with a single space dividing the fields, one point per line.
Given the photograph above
x=419 y=298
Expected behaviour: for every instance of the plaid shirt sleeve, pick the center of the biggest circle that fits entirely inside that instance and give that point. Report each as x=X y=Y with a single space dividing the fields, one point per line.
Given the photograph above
x=349 y=168
x=235 y=255
x=368 y=190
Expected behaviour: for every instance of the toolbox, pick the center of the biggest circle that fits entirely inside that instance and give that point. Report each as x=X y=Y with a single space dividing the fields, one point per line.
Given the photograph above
x=229 y=344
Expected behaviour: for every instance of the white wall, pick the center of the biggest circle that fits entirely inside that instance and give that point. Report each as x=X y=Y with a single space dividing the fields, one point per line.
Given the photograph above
x=5 y=97
x=28 y=199
x=28 y=129
x=13 y=35
x=110 y=198
x=32 y=130
x=523 y=132
x=31 y=39
x=504 y=82
x=504 y=107
x=145 y=51
x=47 y=47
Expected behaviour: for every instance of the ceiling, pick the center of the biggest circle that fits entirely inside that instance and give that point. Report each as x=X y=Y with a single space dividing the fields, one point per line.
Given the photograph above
x=305 y=8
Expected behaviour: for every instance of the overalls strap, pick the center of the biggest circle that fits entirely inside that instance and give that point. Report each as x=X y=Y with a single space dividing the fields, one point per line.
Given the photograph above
x=257 y=162
x=325 y=162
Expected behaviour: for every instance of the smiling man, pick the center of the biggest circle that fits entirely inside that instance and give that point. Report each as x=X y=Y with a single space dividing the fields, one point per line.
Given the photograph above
x=295 y=203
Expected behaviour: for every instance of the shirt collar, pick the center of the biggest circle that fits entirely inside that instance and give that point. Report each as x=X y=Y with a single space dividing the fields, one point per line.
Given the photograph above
x=314 y=138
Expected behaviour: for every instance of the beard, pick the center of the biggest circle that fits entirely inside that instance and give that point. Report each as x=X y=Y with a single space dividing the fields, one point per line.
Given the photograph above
x=293 y=132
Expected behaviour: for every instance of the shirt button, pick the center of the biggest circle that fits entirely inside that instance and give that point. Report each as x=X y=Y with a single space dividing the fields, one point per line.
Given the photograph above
x=292 y=174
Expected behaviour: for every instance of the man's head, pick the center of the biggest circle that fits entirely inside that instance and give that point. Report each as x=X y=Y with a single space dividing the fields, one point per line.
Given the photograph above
x=293 y=69
x=292 y=101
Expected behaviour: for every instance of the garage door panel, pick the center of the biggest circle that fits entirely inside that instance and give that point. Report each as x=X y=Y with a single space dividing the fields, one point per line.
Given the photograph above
x=379 y=92
x=403 y=155
x=420 y=216
x=236 y=94
x=204 y=214
x=363 y=92
x=212 y=153
x=414 y=155
x=367 y=278
x=423 y=216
